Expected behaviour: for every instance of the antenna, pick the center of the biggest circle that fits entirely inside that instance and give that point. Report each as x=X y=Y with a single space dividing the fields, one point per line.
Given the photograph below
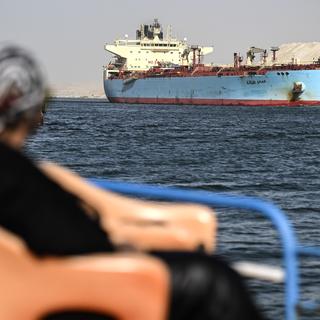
x=169 y=32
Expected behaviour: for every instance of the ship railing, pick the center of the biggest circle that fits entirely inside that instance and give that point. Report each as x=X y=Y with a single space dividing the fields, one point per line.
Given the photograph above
x=291 y=249
x=127 y=42
x=295 y=62
x=109 y=72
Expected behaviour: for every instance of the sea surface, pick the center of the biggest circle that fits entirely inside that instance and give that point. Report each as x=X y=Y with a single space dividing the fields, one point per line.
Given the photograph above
x=269 y=152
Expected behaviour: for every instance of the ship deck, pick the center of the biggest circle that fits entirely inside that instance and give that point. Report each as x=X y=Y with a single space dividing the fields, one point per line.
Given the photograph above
x=202 y=70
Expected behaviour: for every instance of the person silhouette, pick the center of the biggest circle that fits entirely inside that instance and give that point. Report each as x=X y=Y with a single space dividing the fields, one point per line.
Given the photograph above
x=58 y=213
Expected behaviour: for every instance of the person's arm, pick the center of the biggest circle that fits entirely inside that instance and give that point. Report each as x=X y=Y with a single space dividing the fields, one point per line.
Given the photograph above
x=129 y=286
x=146 y=225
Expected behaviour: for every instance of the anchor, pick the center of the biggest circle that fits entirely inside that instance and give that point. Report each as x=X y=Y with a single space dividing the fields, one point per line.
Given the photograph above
x=297 y=90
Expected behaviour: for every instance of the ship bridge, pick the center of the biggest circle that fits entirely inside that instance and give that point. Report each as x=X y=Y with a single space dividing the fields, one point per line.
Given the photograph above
x=150 y=49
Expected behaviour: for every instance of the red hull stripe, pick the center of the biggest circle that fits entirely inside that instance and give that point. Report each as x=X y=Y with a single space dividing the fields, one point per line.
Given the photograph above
x=214 y=102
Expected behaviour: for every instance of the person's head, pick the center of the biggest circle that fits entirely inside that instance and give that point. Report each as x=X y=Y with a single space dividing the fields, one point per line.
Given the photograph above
x=22 y=94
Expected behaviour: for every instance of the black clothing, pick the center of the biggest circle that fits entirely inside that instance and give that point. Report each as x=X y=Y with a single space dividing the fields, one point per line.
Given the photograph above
x=48 y=218
x=52 y=222
x=205 y=288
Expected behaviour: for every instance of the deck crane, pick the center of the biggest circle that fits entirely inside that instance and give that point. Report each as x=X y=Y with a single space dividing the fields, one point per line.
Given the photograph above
x=251 y=55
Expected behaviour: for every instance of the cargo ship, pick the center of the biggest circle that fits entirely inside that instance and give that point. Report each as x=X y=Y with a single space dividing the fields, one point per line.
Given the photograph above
x=159 y=69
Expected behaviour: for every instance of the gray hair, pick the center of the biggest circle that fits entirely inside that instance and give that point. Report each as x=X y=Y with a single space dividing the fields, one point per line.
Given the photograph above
x=22 y=85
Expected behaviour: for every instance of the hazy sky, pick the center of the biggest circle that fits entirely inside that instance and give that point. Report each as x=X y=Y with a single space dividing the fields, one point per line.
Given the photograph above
x=68 y=35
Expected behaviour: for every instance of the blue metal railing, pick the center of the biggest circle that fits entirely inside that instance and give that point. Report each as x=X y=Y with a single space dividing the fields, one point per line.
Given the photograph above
x=291 y=249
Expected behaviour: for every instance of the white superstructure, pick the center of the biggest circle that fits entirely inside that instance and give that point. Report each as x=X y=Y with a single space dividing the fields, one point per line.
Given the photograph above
x=151 y=49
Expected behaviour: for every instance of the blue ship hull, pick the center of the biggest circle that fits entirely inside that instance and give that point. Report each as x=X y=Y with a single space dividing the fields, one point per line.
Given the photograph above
x=275 y=88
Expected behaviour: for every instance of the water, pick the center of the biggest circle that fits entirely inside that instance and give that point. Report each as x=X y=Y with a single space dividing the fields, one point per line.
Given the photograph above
x=272 y=153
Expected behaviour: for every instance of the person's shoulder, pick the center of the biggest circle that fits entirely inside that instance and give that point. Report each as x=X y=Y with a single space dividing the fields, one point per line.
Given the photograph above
x=9 y=156
x=14 y=163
